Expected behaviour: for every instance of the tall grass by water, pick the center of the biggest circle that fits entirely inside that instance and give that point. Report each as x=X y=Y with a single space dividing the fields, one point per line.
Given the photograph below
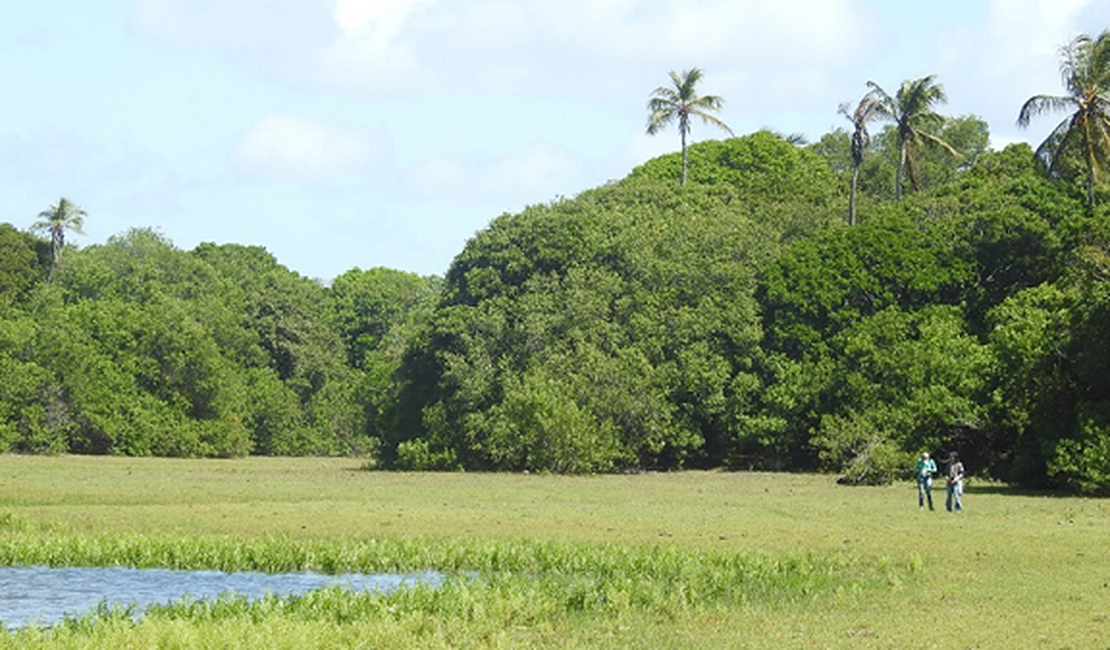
x=693 y=559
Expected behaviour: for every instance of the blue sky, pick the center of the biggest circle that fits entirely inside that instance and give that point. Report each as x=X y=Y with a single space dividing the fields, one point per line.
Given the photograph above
x=362 y=133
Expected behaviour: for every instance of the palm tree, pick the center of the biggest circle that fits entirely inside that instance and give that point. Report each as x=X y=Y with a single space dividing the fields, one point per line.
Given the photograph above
x=64 y=215
x=868 y=110
x=911 y=110
x=1085 y=70
x=679 y=102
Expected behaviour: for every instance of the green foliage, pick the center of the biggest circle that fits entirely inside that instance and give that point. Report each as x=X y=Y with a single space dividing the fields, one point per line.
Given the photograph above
x=19 y=263
x=879 y=323
x=590 y=334
x=903 y=381
x=540 y=427
x=760 y=167
x=138 y=348
x=862 y=449
x=1082 y=463
x=378 y=314
x=734 y=321
x=821 y=285
x=378 y=310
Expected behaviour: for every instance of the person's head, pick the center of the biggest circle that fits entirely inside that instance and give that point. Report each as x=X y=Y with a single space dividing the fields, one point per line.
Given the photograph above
x=953 y=457
x=925 y=455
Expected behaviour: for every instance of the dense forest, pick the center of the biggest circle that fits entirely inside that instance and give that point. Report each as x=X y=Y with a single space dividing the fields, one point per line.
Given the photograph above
x=839 y=306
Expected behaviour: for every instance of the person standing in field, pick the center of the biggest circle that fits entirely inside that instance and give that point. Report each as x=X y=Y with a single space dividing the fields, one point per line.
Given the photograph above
x=924 y=470
x=955 y=479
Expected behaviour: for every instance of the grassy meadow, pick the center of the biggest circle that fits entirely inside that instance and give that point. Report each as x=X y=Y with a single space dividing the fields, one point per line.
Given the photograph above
x=690 y=559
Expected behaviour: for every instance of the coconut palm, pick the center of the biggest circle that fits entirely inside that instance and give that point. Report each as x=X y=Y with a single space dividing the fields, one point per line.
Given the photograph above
x=678 y=102
x=57 y=219
x=911 y=110
x=868 y=110
x=1085 y=71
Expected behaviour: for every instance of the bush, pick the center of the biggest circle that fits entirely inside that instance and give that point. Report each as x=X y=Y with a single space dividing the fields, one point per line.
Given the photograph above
x=1083 y=464
x=863 y=453
x=417 y=456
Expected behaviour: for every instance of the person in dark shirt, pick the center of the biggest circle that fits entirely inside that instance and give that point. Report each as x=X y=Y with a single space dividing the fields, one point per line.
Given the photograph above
x=955 y=480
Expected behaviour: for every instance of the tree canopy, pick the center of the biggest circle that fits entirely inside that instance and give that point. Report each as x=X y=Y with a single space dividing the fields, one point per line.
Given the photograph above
x=735 y=321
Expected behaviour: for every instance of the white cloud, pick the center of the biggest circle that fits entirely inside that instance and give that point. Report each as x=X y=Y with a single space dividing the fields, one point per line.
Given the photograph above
x=299 y=149
x=242 y=27
x=381 y=20
x=368 y=50
x=568 y=48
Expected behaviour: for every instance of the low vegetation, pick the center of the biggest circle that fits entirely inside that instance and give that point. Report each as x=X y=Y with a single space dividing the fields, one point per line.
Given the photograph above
x=684 y=559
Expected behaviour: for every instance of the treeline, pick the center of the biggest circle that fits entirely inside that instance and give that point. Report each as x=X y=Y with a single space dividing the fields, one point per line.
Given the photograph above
x=739 y=321
x=138 y=348
x=736 y=321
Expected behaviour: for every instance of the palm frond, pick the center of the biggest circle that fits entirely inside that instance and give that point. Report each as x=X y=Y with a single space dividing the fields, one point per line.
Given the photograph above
x=42 y=225
x=1074 y=62
x=706 y=102
x=1055 y=147
x=1040 y=104
x=885 y=106
x=687 y=82
x=659 y=119
x=714 y=120
x=1085 y=73
x=936 y=140
x=679 y=101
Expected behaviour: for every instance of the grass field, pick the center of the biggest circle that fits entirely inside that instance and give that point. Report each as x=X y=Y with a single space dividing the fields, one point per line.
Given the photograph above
x=826 y=565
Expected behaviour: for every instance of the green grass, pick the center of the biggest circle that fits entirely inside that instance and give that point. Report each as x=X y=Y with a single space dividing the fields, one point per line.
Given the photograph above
x=692 y=559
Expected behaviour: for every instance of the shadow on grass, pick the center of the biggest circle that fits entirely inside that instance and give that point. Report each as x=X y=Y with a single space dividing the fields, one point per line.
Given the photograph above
x=1012 y=490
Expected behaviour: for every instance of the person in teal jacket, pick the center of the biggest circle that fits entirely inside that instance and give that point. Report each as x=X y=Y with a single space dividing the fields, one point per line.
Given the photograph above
x=924 y=470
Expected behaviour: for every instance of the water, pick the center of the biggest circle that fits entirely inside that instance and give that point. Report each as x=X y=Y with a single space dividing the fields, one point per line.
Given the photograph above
x=45 y=595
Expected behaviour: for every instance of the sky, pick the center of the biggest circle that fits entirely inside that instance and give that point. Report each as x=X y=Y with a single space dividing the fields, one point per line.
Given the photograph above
x=362 y=133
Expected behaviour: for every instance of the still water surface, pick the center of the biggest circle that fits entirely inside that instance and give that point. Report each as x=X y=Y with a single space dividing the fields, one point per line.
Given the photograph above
x=45 y=595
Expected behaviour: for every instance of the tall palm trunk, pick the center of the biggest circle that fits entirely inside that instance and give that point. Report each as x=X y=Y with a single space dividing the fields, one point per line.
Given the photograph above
x=683 y=182
x=852 y=197
x=900 y=175
x=1091 y=163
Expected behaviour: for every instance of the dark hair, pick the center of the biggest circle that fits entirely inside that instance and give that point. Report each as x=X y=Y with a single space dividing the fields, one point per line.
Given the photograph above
x=954 y=455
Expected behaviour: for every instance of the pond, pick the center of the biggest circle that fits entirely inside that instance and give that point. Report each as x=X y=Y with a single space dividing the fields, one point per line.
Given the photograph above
x=46 y=595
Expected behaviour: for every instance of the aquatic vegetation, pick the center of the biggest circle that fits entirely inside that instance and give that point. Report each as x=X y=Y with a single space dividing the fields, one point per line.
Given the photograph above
x=522 y=582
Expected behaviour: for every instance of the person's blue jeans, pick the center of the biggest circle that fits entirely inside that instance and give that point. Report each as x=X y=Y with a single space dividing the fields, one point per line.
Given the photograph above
x=954 y=491
x=924 y=491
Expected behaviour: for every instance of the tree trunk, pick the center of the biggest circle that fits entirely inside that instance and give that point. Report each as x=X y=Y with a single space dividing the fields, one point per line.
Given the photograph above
x=683 y=182
x=852 y=198
x=901 y=172
x=1090 y=173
